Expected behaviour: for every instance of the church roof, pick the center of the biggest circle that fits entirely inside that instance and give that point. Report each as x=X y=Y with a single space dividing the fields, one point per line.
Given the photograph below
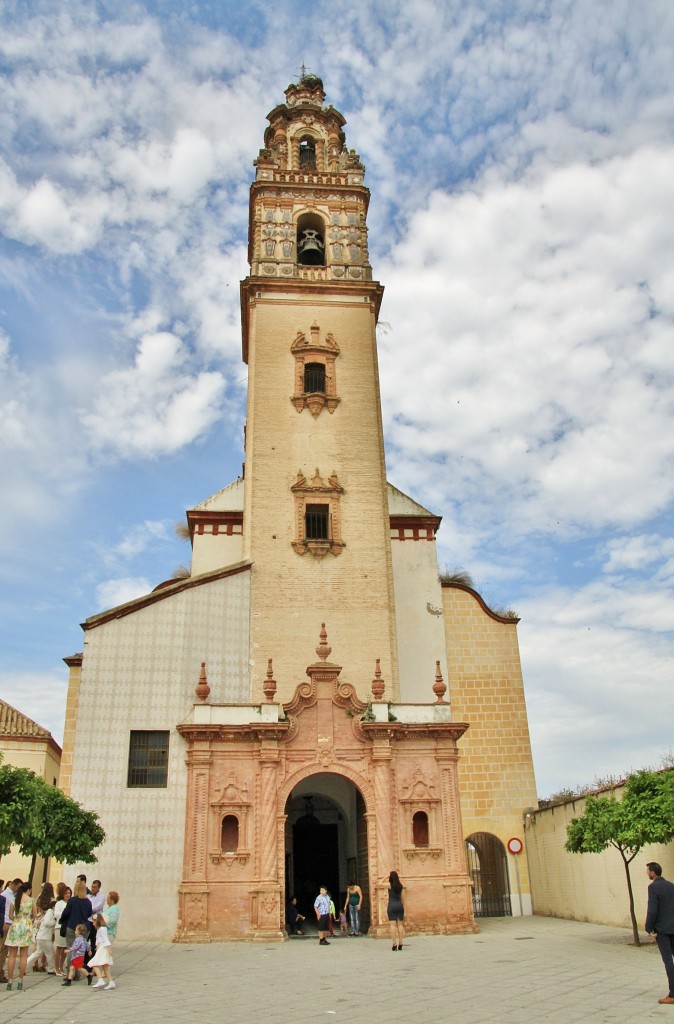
x=14 y=723
x=164 y=591
x=400 y=504
x=229 y=499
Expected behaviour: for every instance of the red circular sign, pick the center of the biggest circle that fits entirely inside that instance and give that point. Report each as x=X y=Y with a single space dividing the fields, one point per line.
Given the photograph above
x=515 y=845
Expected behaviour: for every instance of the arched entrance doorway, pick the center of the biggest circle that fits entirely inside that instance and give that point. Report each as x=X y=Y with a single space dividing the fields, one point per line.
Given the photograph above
x=488 y=868
x=326 y=842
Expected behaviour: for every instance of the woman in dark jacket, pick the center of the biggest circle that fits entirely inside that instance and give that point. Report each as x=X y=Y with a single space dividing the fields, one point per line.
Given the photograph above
x=76 y=911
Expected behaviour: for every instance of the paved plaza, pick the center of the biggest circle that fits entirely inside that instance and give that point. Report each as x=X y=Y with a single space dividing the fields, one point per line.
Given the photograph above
x=516 y=970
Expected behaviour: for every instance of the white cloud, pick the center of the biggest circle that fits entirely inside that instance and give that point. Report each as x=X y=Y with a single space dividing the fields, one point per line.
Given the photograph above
x=39 y=695
x=118 y=591
x=525 y=316
x=155 y=406
x=597 y=664
x=637 y=552
x=140 y=536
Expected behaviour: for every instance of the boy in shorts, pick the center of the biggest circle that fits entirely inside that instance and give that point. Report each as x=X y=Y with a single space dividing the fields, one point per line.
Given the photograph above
x=78 y=951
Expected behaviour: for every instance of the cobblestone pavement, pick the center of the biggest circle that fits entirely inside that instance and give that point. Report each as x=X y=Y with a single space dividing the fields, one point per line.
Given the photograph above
x=515 y=971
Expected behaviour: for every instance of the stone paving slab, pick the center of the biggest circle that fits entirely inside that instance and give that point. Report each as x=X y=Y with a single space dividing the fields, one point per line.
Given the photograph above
x=515 y=971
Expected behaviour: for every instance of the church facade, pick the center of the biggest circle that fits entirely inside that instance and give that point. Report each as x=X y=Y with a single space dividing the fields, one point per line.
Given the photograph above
x=312 y=705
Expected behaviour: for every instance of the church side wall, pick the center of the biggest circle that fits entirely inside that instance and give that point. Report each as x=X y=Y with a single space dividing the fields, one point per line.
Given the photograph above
x=588 y=886
x=139 y=672
x=496 y=774
x=419 y=617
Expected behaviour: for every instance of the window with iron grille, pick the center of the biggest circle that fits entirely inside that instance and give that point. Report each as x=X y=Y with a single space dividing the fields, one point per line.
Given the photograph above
x=316 y=522
x=148 y=759
x=314 y=378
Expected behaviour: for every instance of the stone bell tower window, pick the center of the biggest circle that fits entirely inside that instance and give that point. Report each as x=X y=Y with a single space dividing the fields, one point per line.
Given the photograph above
x=315 y=372
x=311 y=240
x=317 y=515
x=307 y=153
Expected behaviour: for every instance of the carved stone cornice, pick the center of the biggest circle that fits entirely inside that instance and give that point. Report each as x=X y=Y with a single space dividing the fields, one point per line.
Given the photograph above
x=398 y=731
x=250 y=730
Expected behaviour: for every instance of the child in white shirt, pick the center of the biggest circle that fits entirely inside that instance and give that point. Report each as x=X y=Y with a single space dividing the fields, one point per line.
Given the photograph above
x=101 y=961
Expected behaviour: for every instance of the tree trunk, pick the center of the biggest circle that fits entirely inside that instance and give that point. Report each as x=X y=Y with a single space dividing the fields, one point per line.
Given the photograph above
x=635 y=928
x=32 y=868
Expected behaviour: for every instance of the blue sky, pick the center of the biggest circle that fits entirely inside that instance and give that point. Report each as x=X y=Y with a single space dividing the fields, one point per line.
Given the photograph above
x=521 y=161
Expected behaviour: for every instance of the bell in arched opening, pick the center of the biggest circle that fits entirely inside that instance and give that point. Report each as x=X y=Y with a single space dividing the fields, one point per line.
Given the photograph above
x=310 y=248
x=307 y=153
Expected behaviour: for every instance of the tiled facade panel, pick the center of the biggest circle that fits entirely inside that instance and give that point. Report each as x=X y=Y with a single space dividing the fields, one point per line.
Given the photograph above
x=139 y=672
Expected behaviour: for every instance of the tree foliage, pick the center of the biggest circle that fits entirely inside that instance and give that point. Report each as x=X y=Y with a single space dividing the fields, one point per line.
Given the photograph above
x=43 y=822
x=644 y=815
x=17 y=799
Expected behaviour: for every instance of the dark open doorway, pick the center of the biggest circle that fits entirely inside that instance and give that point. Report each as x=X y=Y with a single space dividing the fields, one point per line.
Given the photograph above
x=326 y=843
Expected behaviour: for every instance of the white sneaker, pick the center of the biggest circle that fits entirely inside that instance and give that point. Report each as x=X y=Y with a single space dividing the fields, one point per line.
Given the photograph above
x=110 y=985
x=100 y=983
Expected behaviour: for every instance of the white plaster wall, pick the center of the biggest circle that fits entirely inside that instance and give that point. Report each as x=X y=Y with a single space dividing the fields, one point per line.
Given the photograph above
x=215 y=551
x=419 y=619
x=139 y=672
x=588 y=886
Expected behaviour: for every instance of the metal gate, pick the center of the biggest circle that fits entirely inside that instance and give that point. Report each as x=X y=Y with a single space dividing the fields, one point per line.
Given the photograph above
x=488 y=868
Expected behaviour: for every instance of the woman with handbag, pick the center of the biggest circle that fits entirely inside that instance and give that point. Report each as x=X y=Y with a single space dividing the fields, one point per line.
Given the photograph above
x=63 y=894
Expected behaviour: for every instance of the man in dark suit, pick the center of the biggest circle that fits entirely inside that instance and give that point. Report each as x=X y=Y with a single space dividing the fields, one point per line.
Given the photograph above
x=660 y=921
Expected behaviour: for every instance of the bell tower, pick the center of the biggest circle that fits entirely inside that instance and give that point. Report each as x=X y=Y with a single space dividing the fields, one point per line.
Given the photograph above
x=316 y=520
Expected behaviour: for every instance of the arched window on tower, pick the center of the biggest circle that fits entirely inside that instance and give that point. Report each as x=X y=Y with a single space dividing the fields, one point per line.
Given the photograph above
x=307 y=153
x=311 y=240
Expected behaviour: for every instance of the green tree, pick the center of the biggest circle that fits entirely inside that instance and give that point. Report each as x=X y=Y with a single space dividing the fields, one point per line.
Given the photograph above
x=644 y=815
x=43 y=822
x=17 y=804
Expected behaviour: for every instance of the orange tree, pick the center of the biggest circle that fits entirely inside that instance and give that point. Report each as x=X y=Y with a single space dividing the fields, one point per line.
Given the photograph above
x=644 y=815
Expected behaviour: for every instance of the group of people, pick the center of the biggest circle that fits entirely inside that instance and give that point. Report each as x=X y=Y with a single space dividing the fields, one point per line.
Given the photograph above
x=70 y=931
x=324 y=909
x=348 y=926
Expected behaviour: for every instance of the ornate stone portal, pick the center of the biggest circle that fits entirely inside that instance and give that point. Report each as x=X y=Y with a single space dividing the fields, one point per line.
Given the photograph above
x=243 y=765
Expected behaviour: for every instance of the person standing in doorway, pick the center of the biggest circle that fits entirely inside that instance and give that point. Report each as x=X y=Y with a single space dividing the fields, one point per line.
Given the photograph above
x=660 y=921
x=322 y=908
x=354 y=901
x=396 y=911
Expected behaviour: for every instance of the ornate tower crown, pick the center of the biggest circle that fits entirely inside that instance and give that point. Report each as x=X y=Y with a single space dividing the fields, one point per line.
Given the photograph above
x=308 y=202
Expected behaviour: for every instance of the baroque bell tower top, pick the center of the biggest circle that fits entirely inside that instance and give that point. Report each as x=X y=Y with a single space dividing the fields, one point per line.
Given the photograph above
x=308 y=203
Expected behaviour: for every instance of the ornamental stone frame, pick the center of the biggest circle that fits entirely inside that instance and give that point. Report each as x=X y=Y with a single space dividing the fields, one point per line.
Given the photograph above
x=317 y=490
x=397 y=766
x=315 y=351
